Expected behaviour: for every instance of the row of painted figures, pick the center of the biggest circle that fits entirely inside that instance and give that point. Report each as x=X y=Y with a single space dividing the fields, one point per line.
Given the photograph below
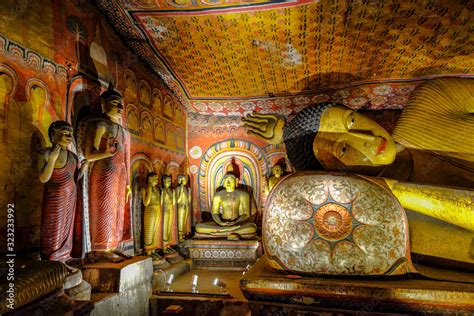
x=102 y=164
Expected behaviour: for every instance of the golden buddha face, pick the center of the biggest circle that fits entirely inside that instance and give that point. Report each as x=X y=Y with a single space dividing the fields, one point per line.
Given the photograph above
x=277 y=171
x=153 y=180
x=167 y=182
x=183 y=180
x=229 y=183
x=62 y=136
x=347 y=138
x=113 y=107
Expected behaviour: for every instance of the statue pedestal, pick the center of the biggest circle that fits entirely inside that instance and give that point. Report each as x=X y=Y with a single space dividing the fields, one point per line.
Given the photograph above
x=267 y=290
x=121 y=288
x=223 y=254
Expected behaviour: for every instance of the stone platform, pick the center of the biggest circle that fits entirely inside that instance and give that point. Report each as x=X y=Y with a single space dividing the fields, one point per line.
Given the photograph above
x=223 y=254
x=122 y=288
x=161 y=275
x=268 y=290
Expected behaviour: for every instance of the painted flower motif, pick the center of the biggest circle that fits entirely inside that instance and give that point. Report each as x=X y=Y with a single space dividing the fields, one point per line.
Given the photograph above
x=400 y=99
x=406 y=89
x=265 y=104
x=193 y=169
x=358 y=102
x=282 y=102
x=378 y=102
x=341 y=94
x=382 y=90
x=214 y=106
x=202 y=107
x=302 y=100
x=247 y=106
x=266 y=111
x=284 y=111
x=231 y=106
x=195 y=152
x=234 y=114
x=320 y=98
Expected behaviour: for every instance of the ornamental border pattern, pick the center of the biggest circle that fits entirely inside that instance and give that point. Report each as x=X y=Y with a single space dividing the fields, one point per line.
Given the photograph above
x=31 y=58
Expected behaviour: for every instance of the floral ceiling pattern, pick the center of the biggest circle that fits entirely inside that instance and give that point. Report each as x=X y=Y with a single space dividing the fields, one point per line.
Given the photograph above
x=221 y=56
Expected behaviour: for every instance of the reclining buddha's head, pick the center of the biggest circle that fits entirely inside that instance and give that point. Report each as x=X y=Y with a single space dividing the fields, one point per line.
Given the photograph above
x=339 y=137
x=347 y=137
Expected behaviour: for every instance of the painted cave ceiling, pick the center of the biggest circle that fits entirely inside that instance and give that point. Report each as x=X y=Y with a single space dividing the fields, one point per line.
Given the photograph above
x=231 y=57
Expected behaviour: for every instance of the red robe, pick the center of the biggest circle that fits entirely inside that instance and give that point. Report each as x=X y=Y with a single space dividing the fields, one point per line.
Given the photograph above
x=58 y=209
x=108 y=180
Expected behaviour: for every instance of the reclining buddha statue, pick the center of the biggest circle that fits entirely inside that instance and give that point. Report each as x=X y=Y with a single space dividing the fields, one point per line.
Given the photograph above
x=342 y=220
x=231 y=212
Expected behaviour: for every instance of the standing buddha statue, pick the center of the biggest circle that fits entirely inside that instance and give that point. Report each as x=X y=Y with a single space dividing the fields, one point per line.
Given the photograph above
x=107 y=145
x=58 y=170
x=183 y=197
x=168 y=206
x=153 y=217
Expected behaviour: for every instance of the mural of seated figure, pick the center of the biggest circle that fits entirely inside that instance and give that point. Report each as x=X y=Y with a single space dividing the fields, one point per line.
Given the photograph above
x=231 y=212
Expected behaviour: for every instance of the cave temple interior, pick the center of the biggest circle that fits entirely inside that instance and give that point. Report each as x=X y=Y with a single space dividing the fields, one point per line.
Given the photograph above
x=209 y=157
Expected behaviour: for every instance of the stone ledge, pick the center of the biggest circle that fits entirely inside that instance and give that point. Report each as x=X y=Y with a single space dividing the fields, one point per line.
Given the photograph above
x=118 y=277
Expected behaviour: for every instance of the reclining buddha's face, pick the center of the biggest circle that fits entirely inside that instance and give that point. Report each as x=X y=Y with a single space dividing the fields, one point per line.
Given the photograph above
x=347 y=138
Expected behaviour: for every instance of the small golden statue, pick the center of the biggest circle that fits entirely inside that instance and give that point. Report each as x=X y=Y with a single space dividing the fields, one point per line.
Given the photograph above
x=277 y=172
x=184 y=207
x=58 y=170
x=170 y=220
x=231 y=212
x=153 y=217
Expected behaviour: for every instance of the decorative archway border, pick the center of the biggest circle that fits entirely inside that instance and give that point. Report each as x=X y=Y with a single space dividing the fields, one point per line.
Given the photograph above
x=215 y=151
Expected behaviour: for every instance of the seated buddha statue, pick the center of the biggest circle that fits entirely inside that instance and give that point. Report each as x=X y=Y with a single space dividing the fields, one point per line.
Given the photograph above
x=231 y=212
x=277 y=172
x=430 y=148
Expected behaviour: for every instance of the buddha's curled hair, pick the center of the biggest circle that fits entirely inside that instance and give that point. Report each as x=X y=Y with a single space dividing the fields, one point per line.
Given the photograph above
x=299 y=134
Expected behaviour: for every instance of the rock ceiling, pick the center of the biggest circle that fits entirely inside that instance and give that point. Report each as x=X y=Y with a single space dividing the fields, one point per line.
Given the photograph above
x=221 y=55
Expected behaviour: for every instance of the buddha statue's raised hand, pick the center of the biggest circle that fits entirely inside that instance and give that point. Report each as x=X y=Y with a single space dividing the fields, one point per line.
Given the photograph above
x=266 y=126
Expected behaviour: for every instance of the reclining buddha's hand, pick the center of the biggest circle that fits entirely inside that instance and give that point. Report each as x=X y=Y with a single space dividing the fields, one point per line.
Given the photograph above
x=269 y=127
